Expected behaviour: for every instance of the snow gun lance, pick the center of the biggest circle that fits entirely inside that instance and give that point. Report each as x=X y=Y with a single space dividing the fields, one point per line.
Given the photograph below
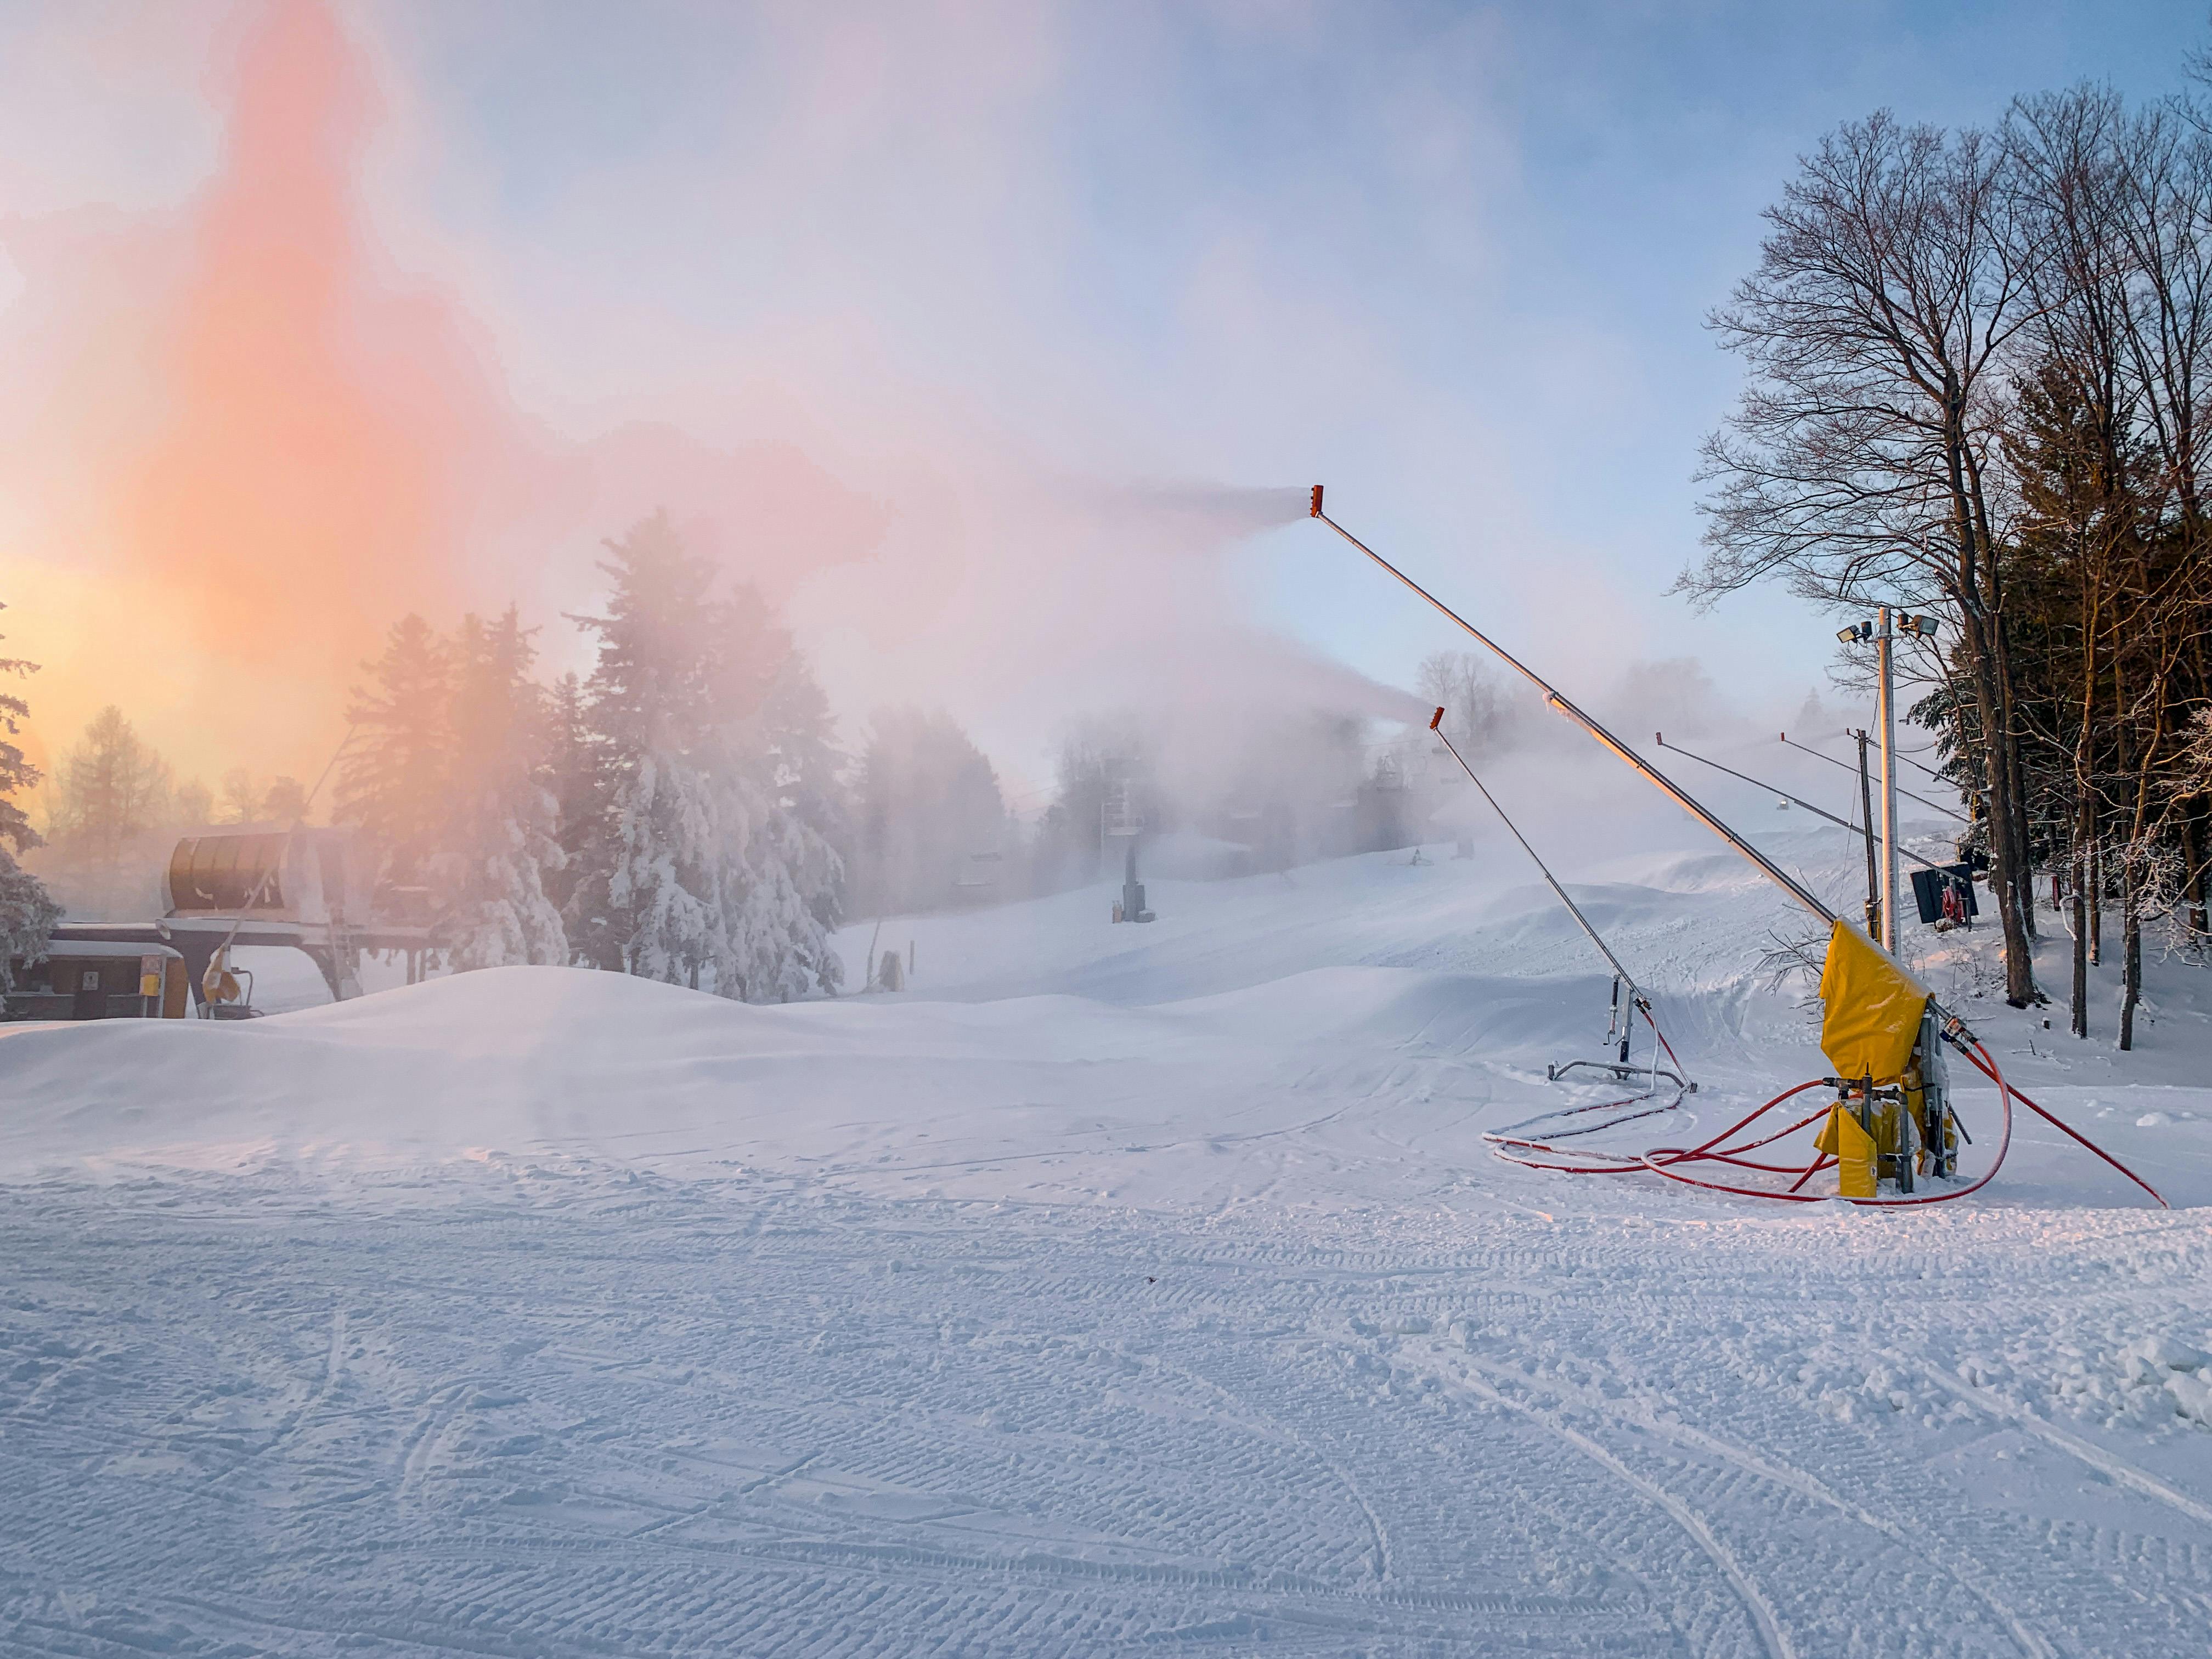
x=1774 y=872
x=1878 y=1017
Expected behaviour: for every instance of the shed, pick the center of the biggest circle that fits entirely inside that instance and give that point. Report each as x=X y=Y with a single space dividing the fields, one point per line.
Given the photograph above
x=93 y=979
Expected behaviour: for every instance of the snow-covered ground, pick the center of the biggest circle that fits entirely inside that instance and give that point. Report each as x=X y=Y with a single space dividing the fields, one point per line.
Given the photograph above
x=1113 y=1289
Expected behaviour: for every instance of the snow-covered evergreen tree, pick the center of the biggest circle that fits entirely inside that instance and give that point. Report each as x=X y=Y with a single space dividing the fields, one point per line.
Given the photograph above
x=715 y=861
x=787 y=823
x=575 y=774
x=17 y=774
x=27 y=911
x=499 y=839
x=649 y=899
x=666 y=887
x=394 y=777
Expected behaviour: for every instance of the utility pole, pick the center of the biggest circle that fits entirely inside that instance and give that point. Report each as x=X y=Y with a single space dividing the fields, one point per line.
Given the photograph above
x=1884 y=635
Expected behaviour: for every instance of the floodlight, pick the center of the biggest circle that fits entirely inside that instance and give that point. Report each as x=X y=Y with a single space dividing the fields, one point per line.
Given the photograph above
x=1849 y=635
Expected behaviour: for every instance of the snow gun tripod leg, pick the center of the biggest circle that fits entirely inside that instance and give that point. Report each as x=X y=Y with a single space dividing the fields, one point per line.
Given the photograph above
x=1620 y=1023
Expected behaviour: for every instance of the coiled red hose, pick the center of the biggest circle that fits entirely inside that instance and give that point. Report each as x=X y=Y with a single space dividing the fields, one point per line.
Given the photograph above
x=1667 y=1160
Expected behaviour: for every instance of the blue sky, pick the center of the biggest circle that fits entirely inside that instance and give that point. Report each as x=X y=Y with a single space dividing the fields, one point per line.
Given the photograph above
x=1453 y=260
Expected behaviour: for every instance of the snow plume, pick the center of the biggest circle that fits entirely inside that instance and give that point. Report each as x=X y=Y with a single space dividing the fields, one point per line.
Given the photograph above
x=261 y=440
x=1033 y=597
x=249 y=429
x=241 y=431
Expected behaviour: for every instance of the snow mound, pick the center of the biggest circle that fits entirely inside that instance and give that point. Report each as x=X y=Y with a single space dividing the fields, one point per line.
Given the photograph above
x=1373 y=1009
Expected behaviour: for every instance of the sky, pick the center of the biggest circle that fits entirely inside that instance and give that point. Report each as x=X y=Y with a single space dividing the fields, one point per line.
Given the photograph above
x=935 y=319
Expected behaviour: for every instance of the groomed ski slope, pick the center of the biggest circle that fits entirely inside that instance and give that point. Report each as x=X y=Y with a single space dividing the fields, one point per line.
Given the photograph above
x=1116 y=1290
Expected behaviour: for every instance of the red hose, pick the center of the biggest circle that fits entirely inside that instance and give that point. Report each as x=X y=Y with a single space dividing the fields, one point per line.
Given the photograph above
x=1665 y=1160
x=2077 y=1134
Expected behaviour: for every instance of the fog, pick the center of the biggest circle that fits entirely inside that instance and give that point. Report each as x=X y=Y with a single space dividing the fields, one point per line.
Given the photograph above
x=254 y=421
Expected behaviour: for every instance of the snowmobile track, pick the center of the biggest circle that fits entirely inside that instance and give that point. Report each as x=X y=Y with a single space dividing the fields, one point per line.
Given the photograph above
x=583 y=1413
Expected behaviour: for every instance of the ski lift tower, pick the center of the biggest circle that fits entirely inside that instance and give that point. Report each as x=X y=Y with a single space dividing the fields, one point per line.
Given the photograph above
x=1117 y=821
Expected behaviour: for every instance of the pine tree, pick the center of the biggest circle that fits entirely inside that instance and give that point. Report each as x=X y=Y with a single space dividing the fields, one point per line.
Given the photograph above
x=498 y=840
x=575 y=773
x=665 y=892
x=17 y=774
x=27 y=911
x=650 y=897
x=789 y=872
x=393 y=782
x=285 y=801
x=713 y=860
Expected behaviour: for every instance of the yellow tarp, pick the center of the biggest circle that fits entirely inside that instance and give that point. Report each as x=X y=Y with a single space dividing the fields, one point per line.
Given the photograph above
x=1872 y=1009
x=1851 y=1147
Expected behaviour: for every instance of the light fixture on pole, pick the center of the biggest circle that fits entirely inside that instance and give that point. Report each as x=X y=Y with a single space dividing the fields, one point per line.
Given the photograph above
x=1882 y=632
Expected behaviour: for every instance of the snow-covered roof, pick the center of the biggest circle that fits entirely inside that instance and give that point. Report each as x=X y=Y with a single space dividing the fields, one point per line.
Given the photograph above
x=107 y=949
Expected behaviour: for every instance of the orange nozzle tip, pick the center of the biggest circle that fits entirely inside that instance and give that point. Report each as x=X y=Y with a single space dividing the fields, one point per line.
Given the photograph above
x=1315 y=509
x=1436 y=720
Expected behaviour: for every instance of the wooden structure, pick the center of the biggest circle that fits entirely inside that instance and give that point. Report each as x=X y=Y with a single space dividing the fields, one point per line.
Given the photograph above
x=93 y=979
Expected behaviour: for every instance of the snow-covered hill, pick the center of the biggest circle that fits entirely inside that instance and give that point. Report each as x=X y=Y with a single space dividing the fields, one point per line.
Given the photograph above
x=1111 y=1288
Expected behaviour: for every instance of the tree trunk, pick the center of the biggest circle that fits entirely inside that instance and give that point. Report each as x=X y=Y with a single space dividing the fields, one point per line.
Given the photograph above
x=2016 y=817
x=2020 y=972
x=2096 y=896
x=1984 y=576
x=2131 y=948
x=2082 y=823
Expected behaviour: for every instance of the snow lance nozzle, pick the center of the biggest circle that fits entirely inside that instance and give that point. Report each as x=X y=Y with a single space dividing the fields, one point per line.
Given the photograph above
x=1436 y=718
x=1315 y=509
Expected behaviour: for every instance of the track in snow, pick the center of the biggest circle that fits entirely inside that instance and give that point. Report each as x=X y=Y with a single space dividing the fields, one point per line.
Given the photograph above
x=569 y=1411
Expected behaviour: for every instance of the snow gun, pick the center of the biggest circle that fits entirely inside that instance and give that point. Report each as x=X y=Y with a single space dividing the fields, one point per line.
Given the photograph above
x=1879 y=1028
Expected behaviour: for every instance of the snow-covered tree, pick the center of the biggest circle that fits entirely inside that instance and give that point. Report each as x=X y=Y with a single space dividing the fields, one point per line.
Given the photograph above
x=27 y=911
x=649 y=899
x=17 y=774
x=498 y=839
x=786 y=815
x=392 y=780
x=575 y=774
x=665 y=892
x=715 y=861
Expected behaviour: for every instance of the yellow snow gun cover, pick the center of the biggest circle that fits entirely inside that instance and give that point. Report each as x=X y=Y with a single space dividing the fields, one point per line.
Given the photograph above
x=1871 y=1009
